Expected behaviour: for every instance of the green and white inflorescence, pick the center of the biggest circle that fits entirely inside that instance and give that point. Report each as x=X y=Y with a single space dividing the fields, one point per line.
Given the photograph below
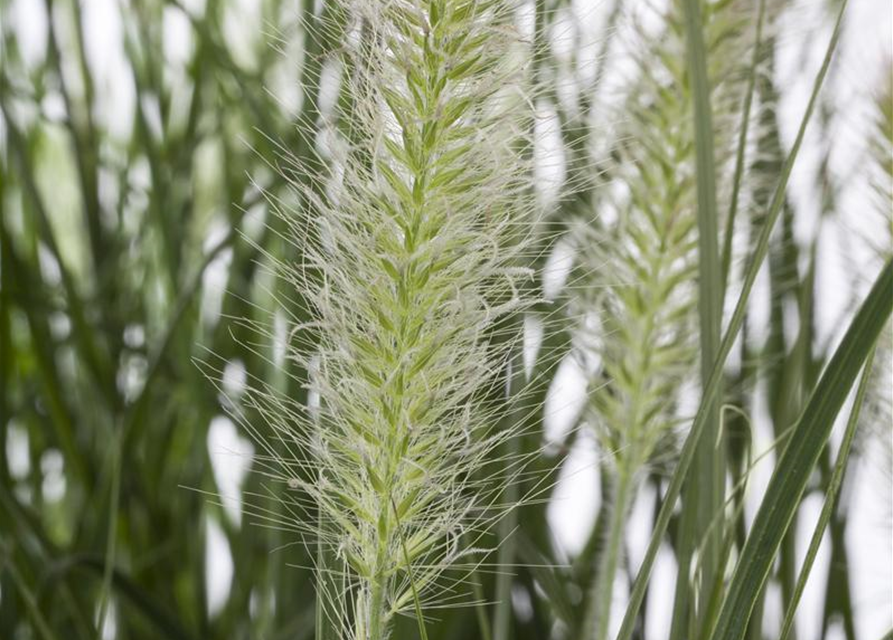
x=410 y=275
x=646 y=261
x=648 y=311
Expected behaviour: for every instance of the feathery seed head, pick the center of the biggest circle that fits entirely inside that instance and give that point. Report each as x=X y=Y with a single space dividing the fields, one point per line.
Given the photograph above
x=409 y=270
x=648 y=308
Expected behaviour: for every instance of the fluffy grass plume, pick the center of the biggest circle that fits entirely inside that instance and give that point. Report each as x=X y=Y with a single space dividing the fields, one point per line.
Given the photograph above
x=647 y=337
x=648 y=310
x=409 y=272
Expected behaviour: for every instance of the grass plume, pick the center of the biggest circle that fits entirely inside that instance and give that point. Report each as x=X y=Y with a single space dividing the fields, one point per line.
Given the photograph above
x=648 y=310
x=410 y=269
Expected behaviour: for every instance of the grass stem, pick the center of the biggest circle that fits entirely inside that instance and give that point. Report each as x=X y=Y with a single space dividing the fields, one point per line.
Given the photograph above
x=602 y=594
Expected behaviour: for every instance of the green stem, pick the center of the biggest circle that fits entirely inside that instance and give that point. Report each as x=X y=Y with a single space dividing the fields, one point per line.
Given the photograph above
x=601 y=596
x=376 y=629
x=378 y=587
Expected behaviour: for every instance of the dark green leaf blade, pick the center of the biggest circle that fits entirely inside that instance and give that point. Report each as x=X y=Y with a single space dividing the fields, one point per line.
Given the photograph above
x=831 y=495
x=709 y=471
x=800 y=457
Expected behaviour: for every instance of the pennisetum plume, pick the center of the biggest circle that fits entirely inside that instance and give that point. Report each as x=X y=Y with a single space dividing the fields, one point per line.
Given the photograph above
x=411 y=252
x=647 y=264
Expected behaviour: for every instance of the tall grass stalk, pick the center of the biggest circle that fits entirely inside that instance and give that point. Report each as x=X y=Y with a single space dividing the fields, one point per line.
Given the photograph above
x=410 y=270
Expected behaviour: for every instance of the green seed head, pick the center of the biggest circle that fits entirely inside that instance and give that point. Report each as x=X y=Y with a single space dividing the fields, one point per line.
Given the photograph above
x=410 y=272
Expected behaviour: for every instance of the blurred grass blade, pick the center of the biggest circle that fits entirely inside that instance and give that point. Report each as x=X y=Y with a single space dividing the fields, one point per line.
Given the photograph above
x=545 y=576
x=508 y=539
x=112 y=537
x=742 y=146
x=708 y=485
x=830 y=496
x=325 y=628
x=30 y=601
x=480 y=608
x=712 y=387
x=153 y=611
x=788 y=483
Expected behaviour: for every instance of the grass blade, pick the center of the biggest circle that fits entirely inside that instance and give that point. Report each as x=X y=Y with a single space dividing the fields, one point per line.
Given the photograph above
x=41 y=624
x=800 y=456
x=830 y=497
x=112 y=536
x=502 y=614
x=710 y=466
x=712 y=387
x=146 y=603
x=742 y=145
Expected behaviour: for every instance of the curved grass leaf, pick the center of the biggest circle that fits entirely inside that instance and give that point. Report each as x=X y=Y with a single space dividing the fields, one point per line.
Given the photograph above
x=830 y=497
x=792 y=472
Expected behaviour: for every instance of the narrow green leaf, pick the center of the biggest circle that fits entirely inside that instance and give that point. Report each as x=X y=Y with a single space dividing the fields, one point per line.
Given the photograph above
x=830 y=497
x=502 y=615
x=742 y=145
x=324 y=627
x=153 y=611
x=547 y=578
x=480 y=609
x=112 y=535
x=800 y=457
x=708 y=489
x=30 y=601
